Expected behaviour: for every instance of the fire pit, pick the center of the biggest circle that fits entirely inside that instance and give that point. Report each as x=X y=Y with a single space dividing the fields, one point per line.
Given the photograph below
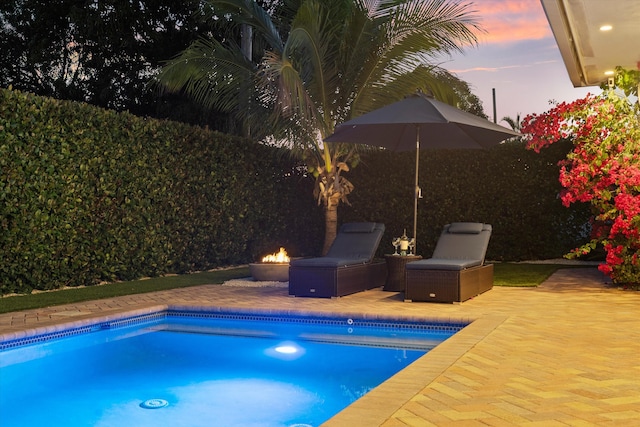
x=273 y=268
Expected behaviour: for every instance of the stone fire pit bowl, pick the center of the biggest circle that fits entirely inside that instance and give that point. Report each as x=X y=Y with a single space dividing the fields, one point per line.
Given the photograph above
x=270 y=271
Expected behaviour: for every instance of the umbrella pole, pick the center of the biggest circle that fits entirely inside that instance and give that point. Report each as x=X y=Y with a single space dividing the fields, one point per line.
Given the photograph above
x=416 y=192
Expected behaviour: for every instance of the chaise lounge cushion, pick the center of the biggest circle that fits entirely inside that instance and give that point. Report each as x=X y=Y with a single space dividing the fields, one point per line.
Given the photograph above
x=442 y=264
x=461 y=245
x=356 y=243
x=328 y=262
x=465 y=227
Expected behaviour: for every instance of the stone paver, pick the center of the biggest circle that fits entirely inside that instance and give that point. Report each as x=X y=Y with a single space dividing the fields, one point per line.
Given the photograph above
x=566 y=353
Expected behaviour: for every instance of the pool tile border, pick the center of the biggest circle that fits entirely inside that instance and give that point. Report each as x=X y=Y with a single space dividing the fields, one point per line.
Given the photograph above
x=131 y=317
x=79 y=325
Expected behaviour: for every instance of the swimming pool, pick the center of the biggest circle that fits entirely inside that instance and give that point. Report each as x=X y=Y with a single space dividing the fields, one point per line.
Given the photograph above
x=197 y=368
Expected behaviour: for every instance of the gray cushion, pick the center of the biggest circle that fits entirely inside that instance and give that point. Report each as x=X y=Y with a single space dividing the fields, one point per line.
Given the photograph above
x=442 y=264
x=465 y=227
x=461 y=245
x=327 y=262
x=357 y=243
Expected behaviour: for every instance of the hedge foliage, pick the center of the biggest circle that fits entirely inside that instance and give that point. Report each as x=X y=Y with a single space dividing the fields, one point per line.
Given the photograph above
x=513 y=189
x=90 y=195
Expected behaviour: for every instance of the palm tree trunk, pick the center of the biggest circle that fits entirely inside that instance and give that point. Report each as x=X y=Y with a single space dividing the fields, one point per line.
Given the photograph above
x=330 y=225
x=247 y=41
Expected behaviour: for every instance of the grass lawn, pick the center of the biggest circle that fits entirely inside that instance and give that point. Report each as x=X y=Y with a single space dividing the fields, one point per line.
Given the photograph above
x=524 y=275
x=505 y=274
x=73 y=295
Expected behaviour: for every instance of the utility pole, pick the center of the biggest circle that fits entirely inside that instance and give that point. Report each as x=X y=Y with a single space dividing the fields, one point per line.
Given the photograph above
x=495 y=117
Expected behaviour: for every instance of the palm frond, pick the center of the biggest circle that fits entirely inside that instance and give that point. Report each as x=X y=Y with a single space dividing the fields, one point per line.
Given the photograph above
x=310 y=47
x=340 y=59
x=446 y=25
x=212 y=74
x=433 y=80
x=410 y=34
x=250 y=13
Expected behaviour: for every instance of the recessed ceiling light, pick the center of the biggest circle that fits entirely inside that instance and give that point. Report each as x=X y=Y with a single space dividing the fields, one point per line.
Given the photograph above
x=606 y=28
x=609 y=73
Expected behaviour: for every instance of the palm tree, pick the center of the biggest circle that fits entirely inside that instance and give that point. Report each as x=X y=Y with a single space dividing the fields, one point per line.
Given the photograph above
x=322 y=62
x=515 y=124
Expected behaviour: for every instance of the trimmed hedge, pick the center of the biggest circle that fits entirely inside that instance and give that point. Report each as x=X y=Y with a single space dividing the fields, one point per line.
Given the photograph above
x=513 y=189
x=90 y=195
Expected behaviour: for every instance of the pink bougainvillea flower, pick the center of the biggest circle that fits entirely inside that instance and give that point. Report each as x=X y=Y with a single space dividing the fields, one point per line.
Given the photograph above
x=603 y=169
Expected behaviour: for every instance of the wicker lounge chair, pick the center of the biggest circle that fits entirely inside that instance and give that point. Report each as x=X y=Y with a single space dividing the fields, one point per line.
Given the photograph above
x=347 y=268
x=456 y=272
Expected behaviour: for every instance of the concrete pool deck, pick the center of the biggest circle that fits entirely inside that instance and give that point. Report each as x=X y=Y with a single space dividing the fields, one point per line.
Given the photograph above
x=564 y=354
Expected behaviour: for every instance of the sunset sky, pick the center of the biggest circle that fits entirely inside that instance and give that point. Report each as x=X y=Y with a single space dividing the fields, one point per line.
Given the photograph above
x=517 y=56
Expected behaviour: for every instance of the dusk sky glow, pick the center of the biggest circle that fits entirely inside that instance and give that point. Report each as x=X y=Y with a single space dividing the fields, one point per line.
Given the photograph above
x=517 y=56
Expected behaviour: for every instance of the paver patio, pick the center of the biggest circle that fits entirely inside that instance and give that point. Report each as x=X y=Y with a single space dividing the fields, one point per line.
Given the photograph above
x=566 y=353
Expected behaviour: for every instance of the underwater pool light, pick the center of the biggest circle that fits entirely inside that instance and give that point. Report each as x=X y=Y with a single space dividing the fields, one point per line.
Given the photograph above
x=286 y=349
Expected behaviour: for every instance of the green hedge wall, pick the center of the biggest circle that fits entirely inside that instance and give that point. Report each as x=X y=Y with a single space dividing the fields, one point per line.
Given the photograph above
x=513 y=189
x=90 y=195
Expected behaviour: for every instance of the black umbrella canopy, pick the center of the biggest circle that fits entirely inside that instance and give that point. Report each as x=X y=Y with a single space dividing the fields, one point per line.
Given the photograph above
x=420 y=122
x=440 y=126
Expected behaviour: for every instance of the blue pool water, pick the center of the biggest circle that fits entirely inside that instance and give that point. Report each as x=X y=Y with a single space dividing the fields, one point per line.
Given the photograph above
x=181 y=368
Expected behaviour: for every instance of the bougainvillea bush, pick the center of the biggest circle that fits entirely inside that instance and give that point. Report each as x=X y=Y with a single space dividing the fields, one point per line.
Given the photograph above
x=603 y=169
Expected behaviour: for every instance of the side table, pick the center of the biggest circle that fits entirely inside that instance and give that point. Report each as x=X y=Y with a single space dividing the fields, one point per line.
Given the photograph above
x=395 y=271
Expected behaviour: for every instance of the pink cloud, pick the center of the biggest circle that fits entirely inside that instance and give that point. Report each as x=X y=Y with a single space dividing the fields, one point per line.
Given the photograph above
x=504 y=67
x=508 y=21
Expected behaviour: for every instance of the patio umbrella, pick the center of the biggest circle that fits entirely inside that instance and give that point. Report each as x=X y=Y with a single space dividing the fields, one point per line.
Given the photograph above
x=420 y=122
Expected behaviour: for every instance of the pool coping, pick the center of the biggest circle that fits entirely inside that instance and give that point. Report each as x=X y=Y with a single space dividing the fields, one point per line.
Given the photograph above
x=385 y=399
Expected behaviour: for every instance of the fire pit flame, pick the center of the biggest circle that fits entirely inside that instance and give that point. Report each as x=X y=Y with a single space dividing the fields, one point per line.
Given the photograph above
x=278 y=257
x=274 y=267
